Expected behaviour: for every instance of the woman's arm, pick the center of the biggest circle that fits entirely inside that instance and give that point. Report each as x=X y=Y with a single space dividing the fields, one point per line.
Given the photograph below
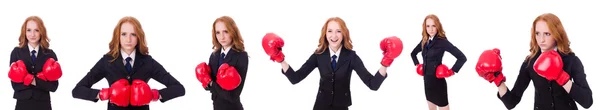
x=373 y=82
x=460 y=57
x=173 y=88
x=16 y=86
x=242 y=69
x=300 y=74
x=47 y=85
x=83 y=89
x=512 y=98
x=414 y=53
x=580 y=90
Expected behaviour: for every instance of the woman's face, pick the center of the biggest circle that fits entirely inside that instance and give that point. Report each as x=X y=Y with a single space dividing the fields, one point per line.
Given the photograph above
x=544 y=37
x=334 y=34
x=128 y=37
x=431 y=27
x=32 y=32
x=223 y=36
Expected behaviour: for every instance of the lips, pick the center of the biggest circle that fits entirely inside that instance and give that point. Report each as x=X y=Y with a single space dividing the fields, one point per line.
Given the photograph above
x=334 y=40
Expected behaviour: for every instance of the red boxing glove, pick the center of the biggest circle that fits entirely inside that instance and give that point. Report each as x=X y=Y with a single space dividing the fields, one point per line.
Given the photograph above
x=118 y=93
x=141 y=94
x=272 y=44
x=18 y=73
x=51 y=71
x=203 y=74
x=550 y=66
x=442 y=71
x=391 y=47
x=420 y=69
x=228 y=77
x=489 y=66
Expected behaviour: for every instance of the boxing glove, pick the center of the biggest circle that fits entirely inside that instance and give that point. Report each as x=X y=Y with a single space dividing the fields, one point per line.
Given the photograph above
x=489 y=66
x=203 y=74
x=141 y=94
x=442 y=71
x=391 y=47
x=272 y=44
x=550 y=66
x=118 y=93
x=51 y=71
x=18 y=73
x=228 y=77
x=420 y=69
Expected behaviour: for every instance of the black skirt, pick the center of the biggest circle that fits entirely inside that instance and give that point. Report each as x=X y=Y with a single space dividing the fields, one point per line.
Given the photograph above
x=32 y=104
x=436 y=90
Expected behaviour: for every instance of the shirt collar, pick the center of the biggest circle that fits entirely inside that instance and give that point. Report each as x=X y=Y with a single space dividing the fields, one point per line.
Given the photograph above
x=337 y=53
x=124 y=55
x=225 y=50
x=36 y=48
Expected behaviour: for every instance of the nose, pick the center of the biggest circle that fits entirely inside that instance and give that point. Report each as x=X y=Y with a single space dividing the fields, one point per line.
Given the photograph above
x=128 y=38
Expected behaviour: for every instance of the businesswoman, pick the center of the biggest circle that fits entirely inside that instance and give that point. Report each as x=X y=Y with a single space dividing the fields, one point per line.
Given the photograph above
x=557 y=73
x=127 y=67
x=225 y=73
x=335 y=60
x=432 y=47
x=34 y=70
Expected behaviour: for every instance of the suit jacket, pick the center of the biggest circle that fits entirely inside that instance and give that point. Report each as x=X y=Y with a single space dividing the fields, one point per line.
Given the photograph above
x=42 y=89
x=433 y=54
x=334 y=86
x=548 y=94
x=144 y=68
x=224 y=99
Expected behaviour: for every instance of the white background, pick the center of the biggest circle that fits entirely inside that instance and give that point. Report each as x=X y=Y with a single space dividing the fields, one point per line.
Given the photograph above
x=178 y=34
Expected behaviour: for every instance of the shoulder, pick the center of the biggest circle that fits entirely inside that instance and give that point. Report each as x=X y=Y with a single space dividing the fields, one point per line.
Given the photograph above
x=15 y=50
x=571 y=57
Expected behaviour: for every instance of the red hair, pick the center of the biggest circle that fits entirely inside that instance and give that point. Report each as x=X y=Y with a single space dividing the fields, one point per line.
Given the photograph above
x=44 y=40
x=236 y=37
x=346 y=41
x=438 y=26
x=557 y=31
x=115 y=43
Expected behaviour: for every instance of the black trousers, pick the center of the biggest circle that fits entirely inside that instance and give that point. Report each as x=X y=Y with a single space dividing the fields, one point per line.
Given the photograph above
x=31 y=104
x=328 y=107
x=436 y=90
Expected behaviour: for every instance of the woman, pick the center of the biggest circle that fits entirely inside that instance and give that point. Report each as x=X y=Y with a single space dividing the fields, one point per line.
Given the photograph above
x=34 y=71
x=229 y=64
x=433 y=45
x=557 y=73
x=335 y=60
x=127 y=67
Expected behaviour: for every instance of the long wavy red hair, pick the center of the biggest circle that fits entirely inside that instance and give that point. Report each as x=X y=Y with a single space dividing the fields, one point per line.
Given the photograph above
x=324 y=44
x=236 y=37
x=115 y=43
x=44 y=40
x=557 y=32
x=438 y=25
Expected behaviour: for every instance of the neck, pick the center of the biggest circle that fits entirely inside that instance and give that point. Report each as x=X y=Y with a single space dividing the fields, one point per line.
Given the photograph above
x=226 y=47
x=34 y=45
x=335 y=49
x=553 y=48
x=128 y=52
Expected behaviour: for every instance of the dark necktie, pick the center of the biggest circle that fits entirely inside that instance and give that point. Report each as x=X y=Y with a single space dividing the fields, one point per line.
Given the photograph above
x=128 y=64
x=429 y=43
x=333 y=62
x=33 y=56
x=221 y=58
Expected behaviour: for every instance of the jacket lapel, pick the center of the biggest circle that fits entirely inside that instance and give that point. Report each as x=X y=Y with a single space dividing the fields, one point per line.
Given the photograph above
x=326 y=58
x=229 y=56
x=41 y=58
x=137 y=63
x=342 y=59
x=118 y=63
x=26 y=55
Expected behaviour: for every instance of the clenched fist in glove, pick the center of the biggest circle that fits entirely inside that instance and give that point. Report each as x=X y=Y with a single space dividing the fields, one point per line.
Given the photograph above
x=18 y=73
x=118 y=93
x=203 y=74
x=51 y=71
x=391 y=47
x=550 y=66
x=272 y=45
x=442 y=71
x=228 y=77
x=420 y=69
x=141 y=94
x=489 y=66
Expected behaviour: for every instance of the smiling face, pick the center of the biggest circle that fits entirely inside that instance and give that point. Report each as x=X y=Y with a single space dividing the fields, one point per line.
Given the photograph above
x=334 y=35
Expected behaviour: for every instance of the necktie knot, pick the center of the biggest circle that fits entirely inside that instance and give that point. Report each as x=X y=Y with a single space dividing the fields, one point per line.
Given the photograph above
x=33 y=52
x=128 y=59
x=334 y=57
x=333 y=62
x=128 y=64
x=33 y=57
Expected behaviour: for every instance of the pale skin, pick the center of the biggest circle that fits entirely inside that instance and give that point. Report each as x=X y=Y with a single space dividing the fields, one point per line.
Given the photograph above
x=223 y=36
x=431 y=31
x=128 y=41
x=334 y=38
x=546 y=42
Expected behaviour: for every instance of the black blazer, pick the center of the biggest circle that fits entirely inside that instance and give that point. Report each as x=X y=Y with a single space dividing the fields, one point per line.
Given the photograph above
x=43 y=88
x=334 y=86
x=144 y=68
x=434 y=52
x=548 y=94
x=223 y=99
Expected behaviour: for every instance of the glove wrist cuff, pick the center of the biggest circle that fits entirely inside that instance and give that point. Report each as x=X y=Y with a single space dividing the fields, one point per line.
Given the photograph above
x=563 y=78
